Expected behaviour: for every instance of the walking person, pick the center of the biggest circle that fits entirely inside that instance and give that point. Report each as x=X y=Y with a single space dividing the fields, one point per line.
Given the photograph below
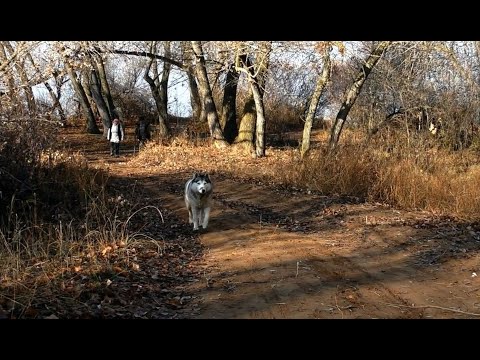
x=142 y=132
x=115 y=135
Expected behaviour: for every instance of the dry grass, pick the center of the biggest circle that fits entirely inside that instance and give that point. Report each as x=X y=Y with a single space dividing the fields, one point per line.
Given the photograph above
x=407 y=173
x=73 y=225
x=71 y=229
x=409 y=177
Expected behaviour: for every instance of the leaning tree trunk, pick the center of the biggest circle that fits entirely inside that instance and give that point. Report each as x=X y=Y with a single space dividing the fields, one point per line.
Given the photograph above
x=56 y=103
x=228 y=118
x=92 y=127
x=96 y=91
x=317 y=94
x=53 y=95
x=353 y=92
x=105 y=87
x=84 y=81
x=206 y=94
x=163 y=129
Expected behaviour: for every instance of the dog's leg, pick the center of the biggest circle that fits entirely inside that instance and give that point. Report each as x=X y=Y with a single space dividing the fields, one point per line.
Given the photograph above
x=190 y=216
x=206 y=214
x=195 y=218
x=200 y=216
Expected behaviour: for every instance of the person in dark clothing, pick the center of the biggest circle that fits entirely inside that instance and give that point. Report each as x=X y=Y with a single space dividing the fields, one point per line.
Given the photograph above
x=142 y=131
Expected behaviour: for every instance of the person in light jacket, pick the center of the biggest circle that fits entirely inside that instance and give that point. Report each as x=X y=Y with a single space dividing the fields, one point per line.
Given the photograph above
x=115 y=135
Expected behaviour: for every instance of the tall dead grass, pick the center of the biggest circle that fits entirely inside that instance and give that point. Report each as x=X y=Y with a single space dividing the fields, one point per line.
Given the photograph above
x=45 y=241
x=410 y=177
x=407 y=173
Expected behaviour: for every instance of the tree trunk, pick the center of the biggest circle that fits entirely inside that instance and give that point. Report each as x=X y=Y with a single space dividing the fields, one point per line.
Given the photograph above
x=92 y=127
x=206 y=94
x=96 y=91
x=56 y=103
x=84 y=81
x=102 y=77
x=228 y=118
x=163 y=129
x=165 y=75
x=260 y=123
x=161 y=84
x=197 y=110
x=262 y=64
x=248 y=122
x=317 y=94
x=353 y=92
x=257 y=76
x=195 y=101
x=246 y=129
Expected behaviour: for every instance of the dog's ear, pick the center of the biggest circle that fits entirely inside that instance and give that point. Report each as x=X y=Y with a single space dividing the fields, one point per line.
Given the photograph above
x=207 y=177
x=195 y=175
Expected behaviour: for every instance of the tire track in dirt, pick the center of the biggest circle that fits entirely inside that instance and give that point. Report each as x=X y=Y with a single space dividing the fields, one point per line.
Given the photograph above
x=262 y=263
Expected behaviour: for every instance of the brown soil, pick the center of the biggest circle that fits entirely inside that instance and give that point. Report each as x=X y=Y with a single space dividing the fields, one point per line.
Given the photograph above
x=270 y=252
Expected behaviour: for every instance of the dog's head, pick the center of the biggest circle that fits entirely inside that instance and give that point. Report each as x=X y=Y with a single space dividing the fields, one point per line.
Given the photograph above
x=202 y=183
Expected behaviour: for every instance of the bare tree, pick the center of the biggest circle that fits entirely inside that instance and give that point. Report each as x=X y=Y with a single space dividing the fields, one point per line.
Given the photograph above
x=246 y=129
x=53 y=95
x=99 y=64
x=228 y=118
x=354 y=90
x=198 y=113
x=317 y=94
x=195 y=101
x=102 y=107
x=163 y=83
x=206 y=94
x=155 y=87
x=92 y=127
x=256 y=75
x=252 y=126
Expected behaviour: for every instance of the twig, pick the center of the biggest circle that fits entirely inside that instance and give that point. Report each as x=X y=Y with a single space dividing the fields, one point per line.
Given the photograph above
x=336 y=304
x=296 y=275
x=433 y=307
x=13 y=300
x=331 y=308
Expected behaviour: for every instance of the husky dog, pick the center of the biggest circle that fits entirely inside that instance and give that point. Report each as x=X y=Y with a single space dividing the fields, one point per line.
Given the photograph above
x=198 y=193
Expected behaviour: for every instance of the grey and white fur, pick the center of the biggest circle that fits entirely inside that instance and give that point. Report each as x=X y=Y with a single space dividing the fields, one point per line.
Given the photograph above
x=198 y=195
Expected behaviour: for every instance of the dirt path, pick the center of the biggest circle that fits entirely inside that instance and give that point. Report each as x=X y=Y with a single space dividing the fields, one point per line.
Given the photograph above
x=271 y=253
